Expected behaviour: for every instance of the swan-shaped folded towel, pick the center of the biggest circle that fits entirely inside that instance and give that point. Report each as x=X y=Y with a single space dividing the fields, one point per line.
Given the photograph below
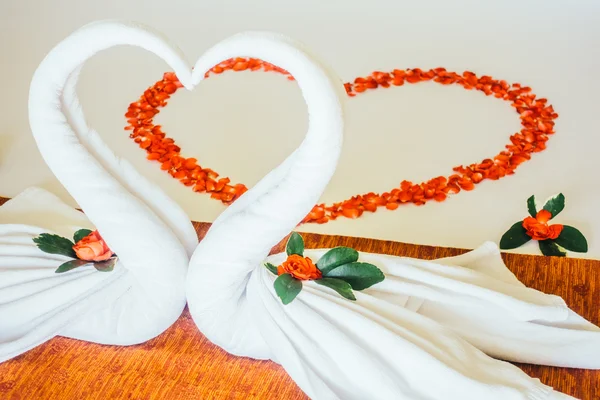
x=422 y=333
x=149 y=232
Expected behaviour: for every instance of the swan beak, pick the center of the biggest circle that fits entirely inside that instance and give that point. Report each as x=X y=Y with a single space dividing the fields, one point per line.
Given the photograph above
x=188 y=86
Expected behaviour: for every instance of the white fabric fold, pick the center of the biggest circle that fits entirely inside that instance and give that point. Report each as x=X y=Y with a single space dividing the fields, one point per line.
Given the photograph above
x=149 y=232
x=328 y=335
x=37 y=304
x=422 y=333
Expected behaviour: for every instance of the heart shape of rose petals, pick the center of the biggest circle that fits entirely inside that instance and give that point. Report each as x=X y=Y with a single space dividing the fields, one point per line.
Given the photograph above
x=536 y=115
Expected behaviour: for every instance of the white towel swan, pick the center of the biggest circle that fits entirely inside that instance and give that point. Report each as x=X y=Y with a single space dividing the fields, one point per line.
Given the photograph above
x=420 y=334
x=150 y=233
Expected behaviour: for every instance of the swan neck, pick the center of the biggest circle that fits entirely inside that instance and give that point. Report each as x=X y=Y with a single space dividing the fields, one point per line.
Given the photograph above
x=115 y=211
x=275 y=206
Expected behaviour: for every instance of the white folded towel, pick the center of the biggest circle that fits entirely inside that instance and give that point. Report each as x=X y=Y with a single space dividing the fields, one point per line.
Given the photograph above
x=419 y=334
x=149 y=232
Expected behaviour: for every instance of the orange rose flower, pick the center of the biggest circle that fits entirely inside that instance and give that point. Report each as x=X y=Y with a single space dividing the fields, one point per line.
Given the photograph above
x=300 y=268
x=538 y=227
x=92 y=248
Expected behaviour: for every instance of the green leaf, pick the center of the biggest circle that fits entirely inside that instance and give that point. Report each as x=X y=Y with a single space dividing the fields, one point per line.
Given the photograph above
x=106 y=266
x=54 y=244
x=295 y=245
x=69 y=265
x=80 y=234
x=549 y=248
x=571 y=239
x=555 y=204
x=336 y=257
x=271 y=268
x=531 y=206
x=340 y=286
x=515 y=237
x=359 y=275
x=287 y=288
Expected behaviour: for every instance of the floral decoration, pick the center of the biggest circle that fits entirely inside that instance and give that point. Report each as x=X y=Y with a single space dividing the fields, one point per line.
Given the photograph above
x=553 y=239
x=87 y=248
x=338 y=269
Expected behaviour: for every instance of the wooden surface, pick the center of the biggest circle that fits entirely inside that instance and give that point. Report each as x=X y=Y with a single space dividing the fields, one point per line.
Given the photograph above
x=182 y=364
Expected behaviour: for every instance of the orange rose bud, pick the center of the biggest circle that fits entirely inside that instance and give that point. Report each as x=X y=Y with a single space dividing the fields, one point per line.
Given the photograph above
x=538 y=227
x=299 y=267
x=92 y=248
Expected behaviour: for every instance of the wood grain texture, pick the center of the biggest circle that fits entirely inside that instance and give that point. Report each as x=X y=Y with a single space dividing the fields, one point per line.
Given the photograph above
x=182 y=364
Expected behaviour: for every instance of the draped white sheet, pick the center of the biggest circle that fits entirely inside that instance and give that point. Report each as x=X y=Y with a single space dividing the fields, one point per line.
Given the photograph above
x=420 y=334
x=150 y=233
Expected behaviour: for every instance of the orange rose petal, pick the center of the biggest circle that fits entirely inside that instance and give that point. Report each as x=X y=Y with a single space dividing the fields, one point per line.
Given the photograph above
x=543 y=216
x=405 y=197
x=466 y=184
x=391 y=206
x=210 y=185
x=440 y=197
x=199 y=187
x=555 y=231
x=180 y=175
x=170 y=88
x=190 y=163
x=370 y=207
x=351 y=212
x=477 y=177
